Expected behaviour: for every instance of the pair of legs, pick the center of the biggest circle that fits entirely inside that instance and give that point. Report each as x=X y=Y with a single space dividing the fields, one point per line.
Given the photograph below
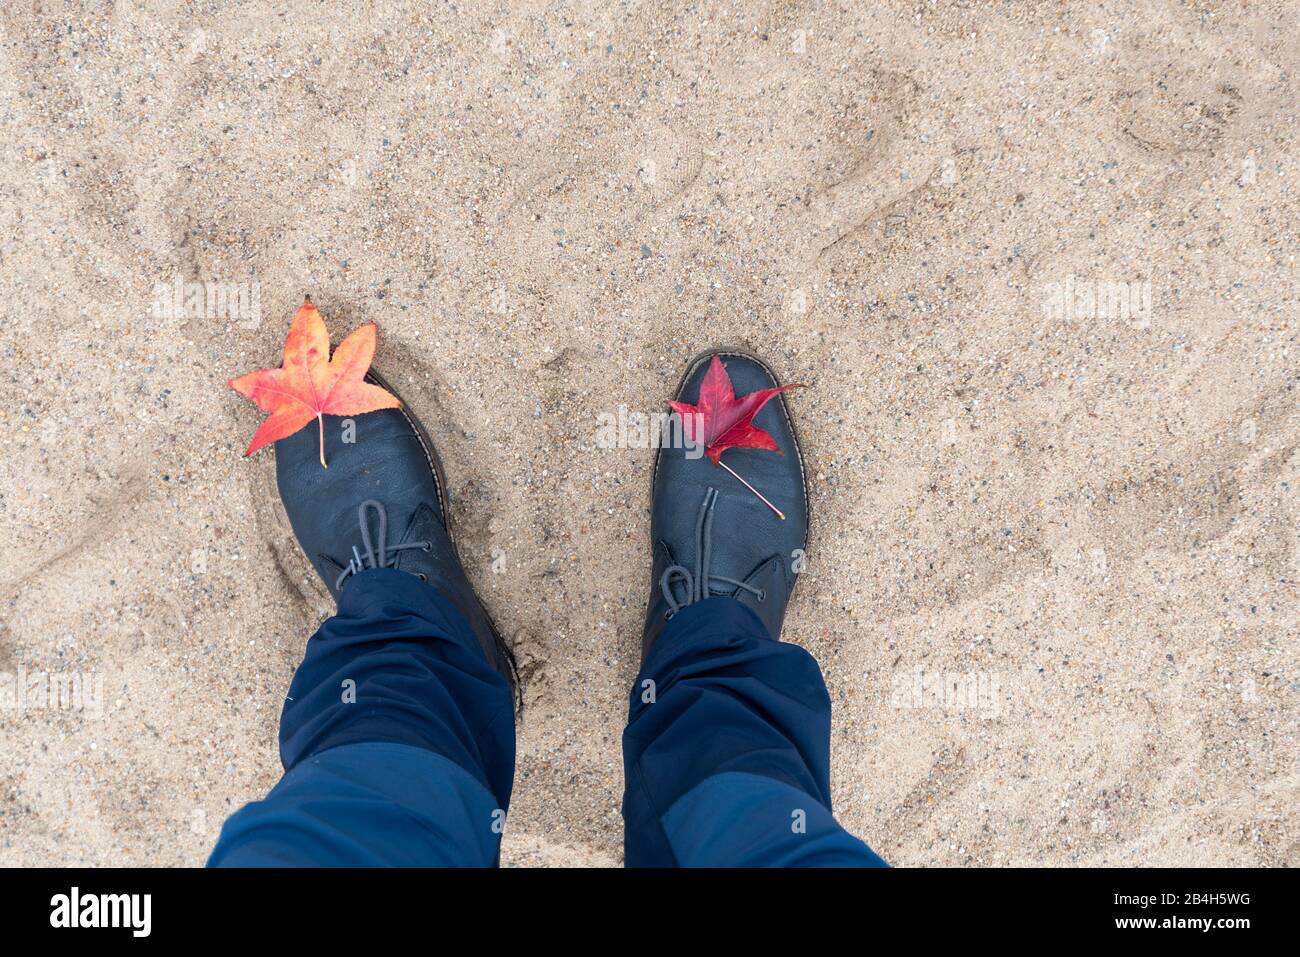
x=397 y=735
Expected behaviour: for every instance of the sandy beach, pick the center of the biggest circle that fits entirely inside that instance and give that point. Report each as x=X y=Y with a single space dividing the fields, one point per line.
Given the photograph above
x=1036 y=263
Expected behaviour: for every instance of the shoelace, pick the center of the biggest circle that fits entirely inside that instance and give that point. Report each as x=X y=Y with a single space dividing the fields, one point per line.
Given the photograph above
x=699 y=584
x=381 y=557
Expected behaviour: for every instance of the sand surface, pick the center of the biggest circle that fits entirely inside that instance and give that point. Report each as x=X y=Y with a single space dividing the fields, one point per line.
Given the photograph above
x=1055 y=555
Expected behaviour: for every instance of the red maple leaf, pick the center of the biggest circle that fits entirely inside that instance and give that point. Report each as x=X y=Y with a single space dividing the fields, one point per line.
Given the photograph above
x=310 y=384
x=720 y=421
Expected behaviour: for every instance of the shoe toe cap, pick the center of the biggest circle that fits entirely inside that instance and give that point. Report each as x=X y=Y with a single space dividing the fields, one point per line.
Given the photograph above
x=378 y=455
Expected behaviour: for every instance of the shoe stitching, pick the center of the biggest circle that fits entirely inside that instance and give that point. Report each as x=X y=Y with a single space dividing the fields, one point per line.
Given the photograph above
x=506 y=651
x=432 y=470
x=428 y=458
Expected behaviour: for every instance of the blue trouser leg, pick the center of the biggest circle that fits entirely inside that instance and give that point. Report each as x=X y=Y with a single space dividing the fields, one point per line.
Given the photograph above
x=397 y=740
x=727 y=750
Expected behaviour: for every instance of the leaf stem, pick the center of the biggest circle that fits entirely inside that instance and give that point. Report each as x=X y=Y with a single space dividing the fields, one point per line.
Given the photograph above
x=780 y=514
x=320 y=420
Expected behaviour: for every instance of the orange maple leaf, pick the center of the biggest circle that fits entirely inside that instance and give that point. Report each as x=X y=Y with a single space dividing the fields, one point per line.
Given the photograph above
x=310 y=384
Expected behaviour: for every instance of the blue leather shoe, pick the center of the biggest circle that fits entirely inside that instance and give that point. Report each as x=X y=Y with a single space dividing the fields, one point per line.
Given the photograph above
x=382 y=503
x=712 y=536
